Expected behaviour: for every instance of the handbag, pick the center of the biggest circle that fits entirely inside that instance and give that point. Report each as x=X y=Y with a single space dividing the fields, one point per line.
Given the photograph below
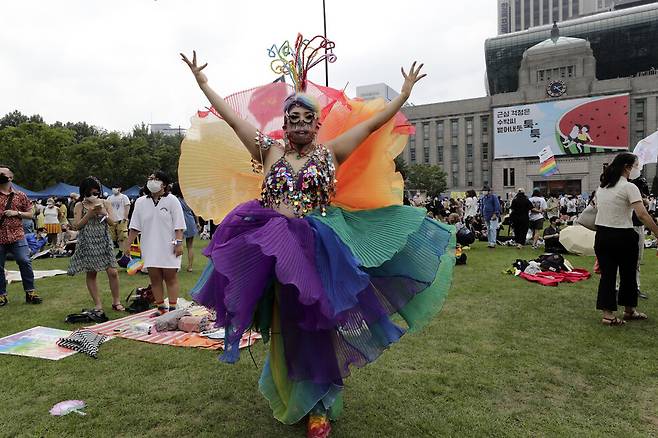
x=588 y=217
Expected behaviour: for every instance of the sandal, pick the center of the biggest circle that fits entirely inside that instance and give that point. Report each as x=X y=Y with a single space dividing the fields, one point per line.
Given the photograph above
x=118 y=307
x=614 y=321
x=635 y=316
x=3 y=300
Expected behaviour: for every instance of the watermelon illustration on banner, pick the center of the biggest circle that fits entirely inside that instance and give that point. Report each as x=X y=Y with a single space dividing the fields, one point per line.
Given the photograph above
x=547 y=163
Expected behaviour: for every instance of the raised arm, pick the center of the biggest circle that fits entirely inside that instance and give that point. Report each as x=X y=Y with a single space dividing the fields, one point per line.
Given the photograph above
x=345 y=144
x=245 y=131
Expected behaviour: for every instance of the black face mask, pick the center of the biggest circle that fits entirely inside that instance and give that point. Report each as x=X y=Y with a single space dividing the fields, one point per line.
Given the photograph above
x=4 y=179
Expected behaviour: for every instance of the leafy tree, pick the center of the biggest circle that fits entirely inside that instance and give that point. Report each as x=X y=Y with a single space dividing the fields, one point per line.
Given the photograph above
x=431 y=179
x=401 y=166
x=15 y=118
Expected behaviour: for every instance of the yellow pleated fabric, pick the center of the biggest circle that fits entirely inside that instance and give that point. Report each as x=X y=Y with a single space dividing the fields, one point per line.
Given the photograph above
x=214 y=169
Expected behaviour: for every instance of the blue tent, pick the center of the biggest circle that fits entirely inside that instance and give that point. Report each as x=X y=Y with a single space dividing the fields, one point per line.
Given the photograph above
x=59 y=190
x=30 y=194
x=132 y=192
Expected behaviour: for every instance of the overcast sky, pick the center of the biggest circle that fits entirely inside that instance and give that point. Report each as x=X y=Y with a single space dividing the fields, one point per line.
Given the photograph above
x=115 y=63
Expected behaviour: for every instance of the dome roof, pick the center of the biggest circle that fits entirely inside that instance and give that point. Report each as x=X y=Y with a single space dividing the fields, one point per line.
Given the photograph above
x=560 y=43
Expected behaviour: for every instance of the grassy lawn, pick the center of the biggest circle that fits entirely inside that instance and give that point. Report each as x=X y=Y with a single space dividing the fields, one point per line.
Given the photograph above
x=504 y=358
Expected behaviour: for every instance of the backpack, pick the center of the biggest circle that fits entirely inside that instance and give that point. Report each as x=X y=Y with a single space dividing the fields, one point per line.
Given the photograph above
x=551 y=262
x=143 y=300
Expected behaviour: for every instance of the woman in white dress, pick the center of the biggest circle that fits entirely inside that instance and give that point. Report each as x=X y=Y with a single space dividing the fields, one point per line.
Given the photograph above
x=471 y=204
x=158 y=217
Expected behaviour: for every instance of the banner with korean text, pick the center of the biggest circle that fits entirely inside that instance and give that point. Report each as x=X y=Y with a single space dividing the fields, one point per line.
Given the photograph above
x=569 y=127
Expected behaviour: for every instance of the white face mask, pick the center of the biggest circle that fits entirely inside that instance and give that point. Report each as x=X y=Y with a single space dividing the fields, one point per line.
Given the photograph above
x=91 y=198
x=115 y=191
x=635 y=173
x=154 y=185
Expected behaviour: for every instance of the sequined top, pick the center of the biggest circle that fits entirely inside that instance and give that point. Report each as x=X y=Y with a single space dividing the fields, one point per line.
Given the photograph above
x=311 y=187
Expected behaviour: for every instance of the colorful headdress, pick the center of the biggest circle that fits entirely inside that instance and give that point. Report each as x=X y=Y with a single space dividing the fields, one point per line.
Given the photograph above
x=296 y=63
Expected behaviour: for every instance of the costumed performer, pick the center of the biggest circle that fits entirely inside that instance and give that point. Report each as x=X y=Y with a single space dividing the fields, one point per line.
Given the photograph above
x=320 y=282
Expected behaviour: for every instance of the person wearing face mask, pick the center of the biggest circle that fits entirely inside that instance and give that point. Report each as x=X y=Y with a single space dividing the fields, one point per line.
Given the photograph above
x=316 y=262
x=158 y=218
x=14 y=207
x=94 y=251
x=52 y=216
x=120 y=208
x=616 y=241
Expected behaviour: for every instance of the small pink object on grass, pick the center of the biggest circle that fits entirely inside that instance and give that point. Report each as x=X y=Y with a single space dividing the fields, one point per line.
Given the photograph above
x=68 y=406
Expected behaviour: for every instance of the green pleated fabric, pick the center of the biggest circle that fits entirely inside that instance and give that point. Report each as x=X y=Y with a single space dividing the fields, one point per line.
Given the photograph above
x=374 y=236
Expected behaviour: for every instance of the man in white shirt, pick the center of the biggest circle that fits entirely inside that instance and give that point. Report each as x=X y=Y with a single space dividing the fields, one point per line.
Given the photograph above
x=539 y=206
x=120 y=208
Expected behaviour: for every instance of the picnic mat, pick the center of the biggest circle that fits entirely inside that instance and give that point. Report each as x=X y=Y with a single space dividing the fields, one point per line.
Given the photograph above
x=13 y=276
x=40 y=342
x=135 y=327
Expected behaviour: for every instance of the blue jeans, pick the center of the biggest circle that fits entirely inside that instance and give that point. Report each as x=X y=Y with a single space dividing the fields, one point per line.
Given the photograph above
x=492 y=231
x=21 y=253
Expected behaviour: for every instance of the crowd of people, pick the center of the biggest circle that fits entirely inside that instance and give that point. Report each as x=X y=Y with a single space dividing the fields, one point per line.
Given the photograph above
x=96 y=232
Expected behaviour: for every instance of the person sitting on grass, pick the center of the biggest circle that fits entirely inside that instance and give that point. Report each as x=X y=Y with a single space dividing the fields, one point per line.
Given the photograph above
x=552 y=237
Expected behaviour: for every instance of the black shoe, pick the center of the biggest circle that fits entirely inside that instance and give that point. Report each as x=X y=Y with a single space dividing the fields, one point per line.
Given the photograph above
x=31 y=297
x=642 y=295
x=3 y=300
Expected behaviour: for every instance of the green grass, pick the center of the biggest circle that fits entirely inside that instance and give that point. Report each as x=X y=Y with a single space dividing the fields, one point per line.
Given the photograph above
x=504 y=358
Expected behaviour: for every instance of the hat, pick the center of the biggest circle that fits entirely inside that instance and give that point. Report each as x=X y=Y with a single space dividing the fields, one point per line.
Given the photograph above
x=520 y=190
x=74 y=195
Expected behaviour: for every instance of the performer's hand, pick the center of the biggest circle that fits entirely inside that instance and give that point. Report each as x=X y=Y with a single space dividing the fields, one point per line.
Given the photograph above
x=178 y=250
x=196 y=70
x=411 y=78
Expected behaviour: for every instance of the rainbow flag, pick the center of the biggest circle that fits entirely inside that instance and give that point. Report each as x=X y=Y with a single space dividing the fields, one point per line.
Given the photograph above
x=548 y=167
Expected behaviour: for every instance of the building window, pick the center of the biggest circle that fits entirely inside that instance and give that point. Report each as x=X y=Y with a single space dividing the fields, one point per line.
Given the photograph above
x=508 y=177
x=556 y=11
x=412 y=148
x=535 y=12
x=517 y=15
x=540 y=75
x=426 y=131
x=526 y=14
x=469 y=151
x=485 y=177
x=439 y=142
x=563 y=72
x=454 y=131
x=575 y=8
x=455 y=154
x=570 y=70
x=485 y=151
x=455 y=179
x=469 y=179
x=426 y=151
x=565 y=9
x=484 y=123
x=639 y=110
x=546 y=12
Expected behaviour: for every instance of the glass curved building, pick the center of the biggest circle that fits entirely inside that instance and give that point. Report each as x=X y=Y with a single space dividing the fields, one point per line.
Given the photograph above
x=623 y=42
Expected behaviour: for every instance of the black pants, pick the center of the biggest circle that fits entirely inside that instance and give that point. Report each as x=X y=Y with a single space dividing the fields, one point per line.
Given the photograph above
x=616 y=249
x=520 y=230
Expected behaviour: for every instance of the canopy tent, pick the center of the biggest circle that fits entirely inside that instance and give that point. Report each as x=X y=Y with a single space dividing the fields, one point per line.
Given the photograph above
x=59 y=190
x=132 y=192
x=30 y=194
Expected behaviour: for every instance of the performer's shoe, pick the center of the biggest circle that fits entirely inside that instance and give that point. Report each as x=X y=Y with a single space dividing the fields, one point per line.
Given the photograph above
x=318 y=426
x=642 y=295
x=31 y=297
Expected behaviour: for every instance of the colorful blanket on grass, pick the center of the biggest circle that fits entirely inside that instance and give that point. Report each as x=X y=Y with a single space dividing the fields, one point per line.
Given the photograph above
x=134 y=327
x=547 y=278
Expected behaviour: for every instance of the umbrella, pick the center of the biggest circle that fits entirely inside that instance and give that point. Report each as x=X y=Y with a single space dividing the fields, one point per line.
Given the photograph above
x=68 y=406
x=578 y=240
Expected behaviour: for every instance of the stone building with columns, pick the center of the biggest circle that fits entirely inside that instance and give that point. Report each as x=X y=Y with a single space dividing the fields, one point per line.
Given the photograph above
x=459 y=135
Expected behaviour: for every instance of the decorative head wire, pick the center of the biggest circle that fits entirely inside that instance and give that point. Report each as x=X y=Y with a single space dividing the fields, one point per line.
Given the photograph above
x=296 y=63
